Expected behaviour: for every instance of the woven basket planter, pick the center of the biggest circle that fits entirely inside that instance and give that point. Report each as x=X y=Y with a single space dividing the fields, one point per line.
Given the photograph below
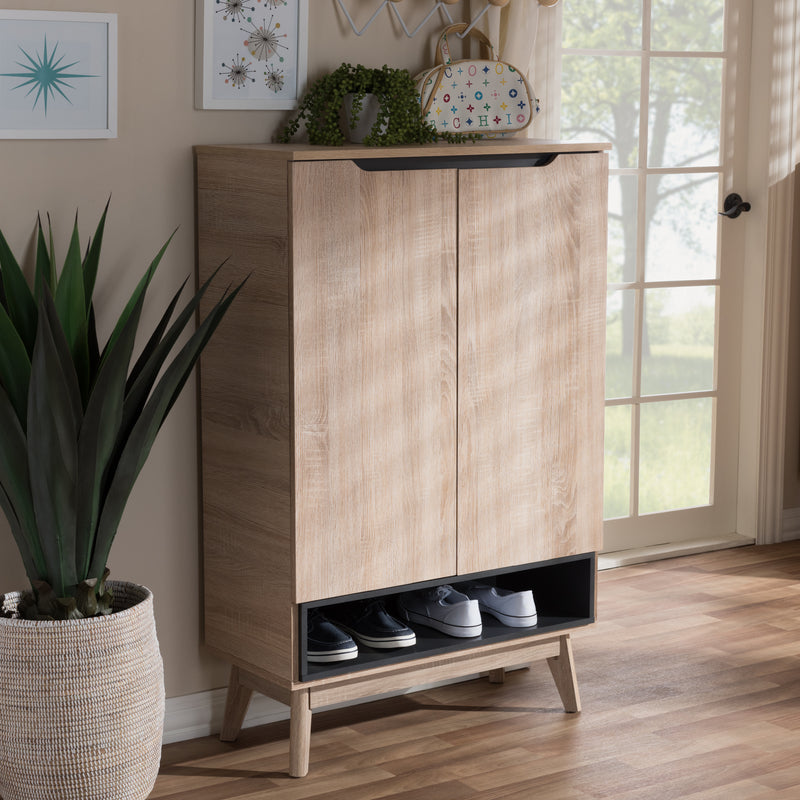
x=81 y=703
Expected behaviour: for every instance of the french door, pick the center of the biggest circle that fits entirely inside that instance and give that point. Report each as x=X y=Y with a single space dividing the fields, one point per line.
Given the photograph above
x=657 y=79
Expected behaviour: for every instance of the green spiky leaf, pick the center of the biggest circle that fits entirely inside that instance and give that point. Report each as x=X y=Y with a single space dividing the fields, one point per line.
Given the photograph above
x=92 y=260
x=19 y=301
x=54 y=419
x=45 y=268
x=15 y=367
x=15 y=497
x=72 y=312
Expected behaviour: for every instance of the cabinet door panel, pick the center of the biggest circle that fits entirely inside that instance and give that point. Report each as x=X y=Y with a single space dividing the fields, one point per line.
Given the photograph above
x=531 y=361
x=374 y=321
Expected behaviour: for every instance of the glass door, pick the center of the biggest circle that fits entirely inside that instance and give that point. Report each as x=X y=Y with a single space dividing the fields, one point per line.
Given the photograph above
x=651 y=78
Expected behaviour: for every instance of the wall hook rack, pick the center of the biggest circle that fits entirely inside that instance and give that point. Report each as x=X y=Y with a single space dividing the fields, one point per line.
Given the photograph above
x=438 y=5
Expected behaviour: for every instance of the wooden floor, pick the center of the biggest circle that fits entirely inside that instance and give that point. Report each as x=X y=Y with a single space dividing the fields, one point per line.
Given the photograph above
x=690 y=685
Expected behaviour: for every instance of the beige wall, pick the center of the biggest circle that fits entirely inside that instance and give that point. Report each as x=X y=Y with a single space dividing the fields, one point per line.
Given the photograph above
x=149 y=171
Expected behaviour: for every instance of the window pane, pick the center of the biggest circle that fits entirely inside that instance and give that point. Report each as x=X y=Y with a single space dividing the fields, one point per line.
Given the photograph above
x=675 y=455
x=620 y=321
x=617 y=471
x=602 y=24
x=600 y=102
x=678 y=341
x=685 y=97
x=682 y=234
x=622 y=205
x=687 y=25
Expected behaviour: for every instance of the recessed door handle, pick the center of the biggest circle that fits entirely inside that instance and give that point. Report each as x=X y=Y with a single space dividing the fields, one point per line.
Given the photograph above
x=734 y=206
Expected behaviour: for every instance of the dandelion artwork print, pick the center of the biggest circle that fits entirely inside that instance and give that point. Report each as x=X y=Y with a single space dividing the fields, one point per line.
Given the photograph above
x=265 y=41
x=273 y=78
x=237 y=10
x=251 y=54
x=57 y=75
x=238 y=72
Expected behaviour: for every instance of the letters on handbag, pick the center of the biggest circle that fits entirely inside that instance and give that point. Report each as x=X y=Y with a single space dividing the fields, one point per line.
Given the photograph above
x=486 y=97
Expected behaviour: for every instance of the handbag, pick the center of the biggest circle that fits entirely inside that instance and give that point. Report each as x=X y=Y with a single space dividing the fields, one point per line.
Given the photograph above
x=485 y=97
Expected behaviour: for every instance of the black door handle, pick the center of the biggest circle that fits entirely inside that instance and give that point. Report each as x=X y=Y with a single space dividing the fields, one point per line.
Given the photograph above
x=734 y=205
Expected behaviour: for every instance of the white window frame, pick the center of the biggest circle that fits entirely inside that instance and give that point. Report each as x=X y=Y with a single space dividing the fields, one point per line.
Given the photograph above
x=773 y=122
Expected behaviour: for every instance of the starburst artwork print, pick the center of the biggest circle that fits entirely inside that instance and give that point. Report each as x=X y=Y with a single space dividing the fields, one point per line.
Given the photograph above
x=45 y=76
x=272 y=33
x=57 y=75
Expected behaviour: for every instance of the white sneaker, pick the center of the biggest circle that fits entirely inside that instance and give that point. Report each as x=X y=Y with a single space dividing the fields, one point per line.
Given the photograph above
x=514 y=609
x=444 y=609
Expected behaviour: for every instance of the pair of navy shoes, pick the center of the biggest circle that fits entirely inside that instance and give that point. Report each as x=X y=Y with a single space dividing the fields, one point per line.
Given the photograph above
x=334 y=637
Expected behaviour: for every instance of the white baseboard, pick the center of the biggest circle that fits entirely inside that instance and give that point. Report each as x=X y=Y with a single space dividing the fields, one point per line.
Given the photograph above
x=623 y=558
x=791 y=524
x=193 y=716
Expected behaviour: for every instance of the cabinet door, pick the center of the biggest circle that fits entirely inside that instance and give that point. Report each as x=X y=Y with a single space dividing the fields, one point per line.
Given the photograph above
x=531 y=361
x=374 y=321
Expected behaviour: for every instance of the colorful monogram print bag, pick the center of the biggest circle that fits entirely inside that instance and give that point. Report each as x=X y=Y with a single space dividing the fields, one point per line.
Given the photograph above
x=487 y=96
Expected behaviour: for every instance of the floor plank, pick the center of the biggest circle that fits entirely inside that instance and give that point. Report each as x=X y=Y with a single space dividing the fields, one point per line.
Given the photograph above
x=690 y=683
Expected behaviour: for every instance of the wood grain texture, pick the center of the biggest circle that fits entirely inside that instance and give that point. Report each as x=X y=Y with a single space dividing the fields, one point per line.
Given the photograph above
x=236 y=704
x=689 y=685
x=374 y=292
x=245 y=410
x=531 y=352
x=562 y=668
x=299 y=734
x=311 y=152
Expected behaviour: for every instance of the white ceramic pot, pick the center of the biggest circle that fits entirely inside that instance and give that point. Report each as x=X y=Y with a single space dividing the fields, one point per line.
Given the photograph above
x=81 y=703
x=366 y=119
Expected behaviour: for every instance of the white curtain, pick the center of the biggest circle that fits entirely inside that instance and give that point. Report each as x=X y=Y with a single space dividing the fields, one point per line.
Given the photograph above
x=512 y=29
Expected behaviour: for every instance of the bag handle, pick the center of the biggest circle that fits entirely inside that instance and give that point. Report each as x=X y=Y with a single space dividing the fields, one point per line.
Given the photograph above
x=443 y=48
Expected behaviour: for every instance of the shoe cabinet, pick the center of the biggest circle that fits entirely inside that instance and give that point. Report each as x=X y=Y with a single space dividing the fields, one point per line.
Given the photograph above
x=408 y=392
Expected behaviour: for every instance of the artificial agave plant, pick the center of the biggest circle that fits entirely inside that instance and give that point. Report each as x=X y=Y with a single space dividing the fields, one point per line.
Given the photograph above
x=76 y=421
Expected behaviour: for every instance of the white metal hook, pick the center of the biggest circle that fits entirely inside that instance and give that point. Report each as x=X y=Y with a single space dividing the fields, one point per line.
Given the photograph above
x=439 y=5
x=369 y=22
x=436 y=7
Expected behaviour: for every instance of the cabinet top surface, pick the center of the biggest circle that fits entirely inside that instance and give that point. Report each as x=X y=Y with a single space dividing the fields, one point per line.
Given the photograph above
x=309 y=152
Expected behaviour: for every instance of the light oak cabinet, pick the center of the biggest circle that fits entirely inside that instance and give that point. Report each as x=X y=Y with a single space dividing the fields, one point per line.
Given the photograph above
x=409 y=390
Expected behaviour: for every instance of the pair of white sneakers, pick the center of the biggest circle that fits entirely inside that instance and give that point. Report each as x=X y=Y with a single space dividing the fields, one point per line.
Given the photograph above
x=458 y=613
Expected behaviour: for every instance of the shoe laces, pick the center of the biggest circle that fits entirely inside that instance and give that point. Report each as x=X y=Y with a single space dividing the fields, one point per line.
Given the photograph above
x=443 y=591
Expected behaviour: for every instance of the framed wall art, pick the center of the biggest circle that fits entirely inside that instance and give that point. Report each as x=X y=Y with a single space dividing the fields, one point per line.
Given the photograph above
x=58 y=75
x=251 y=54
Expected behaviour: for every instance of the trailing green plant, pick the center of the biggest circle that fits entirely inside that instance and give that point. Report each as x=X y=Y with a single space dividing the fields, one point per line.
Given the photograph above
x=77 y=422
x=399 y=120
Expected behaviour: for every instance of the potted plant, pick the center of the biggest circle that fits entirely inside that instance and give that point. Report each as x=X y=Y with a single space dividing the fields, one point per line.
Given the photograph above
x=398 y=119
x=81 y=681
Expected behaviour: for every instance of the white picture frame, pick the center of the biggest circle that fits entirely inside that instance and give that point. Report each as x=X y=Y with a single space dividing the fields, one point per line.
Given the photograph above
x=76 y=97
x=250 y=54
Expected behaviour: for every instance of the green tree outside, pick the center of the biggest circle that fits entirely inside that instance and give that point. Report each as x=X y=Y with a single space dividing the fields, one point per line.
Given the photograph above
x=601 y=101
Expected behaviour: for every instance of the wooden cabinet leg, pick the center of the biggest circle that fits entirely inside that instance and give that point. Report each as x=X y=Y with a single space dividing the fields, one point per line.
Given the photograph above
x=299 y=734
x=563 y=668
x=497 y=675
x=236 y=704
